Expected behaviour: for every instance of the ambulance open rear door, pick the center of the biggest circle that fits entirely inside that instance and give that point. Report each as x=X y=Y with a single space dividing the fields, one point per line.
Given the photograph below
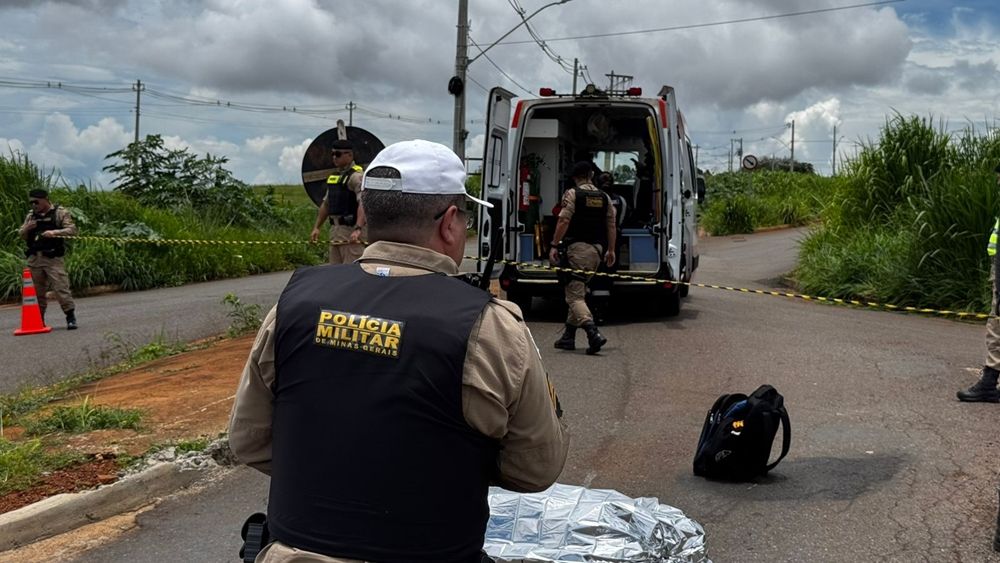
x=495 y=185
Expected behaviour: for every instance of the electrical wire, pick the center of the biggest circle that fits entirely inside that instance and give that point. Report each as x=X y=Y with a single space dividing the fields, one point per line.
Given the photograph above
x=708 y=24
x=502 y=71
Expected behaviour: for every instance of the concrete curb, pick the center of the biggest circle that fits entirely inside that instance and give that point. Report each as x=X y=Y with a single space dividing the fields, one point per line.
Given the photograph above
x=65 y=512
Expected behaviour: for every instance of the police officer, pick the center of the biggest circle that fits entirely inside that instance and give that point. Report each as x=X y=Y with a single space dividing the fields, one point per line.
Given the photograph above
x=45 y=252
x=340 y=205
x=985 y=390
x=383 y=397
x=585 y=233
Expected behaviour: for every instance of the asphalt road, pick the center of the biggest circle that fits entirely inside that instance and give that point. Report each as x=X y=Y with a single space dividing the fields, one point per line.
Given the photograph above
x=885 y=464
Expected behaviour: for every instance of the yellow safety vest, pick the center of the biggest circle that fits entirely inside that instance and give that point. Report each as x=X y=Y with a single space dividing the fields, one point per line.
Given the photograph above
x=335 y=178
x=991 y=248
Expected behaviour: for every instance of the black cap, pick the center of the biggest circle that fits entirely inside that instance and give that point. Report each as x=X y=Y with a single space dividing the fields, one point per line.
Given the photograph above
x=38 y=193
x=582 y=169
x=343 y=145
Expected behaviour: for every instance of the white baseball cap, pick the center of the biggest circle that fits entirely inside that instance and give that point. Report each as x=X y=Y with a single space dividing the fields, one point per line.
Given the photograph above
x=424 y=168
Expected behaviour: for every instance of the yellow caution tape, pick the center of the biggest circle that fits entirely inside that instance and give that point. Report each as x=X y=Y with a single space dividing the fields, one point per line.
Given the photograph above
x=818 y=299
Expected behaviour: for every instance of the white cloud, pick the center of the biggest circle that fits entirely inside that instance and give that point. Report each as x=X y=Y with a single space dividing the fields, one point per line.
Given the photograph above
x=264 y=144
x=290 y=160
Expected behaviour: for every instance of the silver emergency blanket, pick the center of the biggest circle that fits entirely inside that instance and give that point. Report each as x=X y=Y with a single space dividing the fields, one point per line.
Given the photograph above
x=574 y=524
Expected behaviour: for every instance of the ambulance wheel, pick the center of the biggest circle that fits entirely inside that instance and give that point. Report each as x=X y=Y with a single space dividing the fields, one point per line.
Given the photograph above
x=669 y=302
x=521 y=299
x=684 y=289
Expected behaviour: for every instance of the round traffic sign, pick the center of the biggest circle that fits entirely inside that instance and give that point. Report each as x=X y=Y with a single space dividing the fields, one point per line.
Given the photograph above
x=749 y=162
x=317 y=162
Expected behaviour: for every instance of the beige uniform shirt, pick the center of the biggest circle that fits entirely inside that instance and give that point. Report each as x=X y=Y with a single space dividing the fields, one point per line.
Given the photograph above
x=506 y=394
x=63 y=217
x=569 y=204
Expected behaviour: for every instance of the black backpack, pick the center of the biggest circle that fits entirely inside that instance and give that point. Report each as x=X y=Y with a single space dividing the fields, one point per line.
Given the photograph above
x=736 y=440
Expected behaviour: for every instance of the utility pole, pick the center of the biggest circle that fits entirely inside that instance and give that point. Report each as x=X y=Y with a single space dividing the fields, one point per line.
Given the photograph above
x=731 y=154
x=833 y=162
x=461 y=63
x=456 y=86
x=791 y=161
x=696 y=156
x=350 y=109
x=576 y=63
x=138 y=87
x=740 y=154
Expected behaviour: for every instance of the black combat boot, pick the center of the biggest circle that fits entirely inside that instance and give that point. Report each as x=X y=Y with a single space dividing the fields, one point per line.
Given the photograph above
x=594 y=338
x=568 y=340
x=71 y=319
x=985 y=390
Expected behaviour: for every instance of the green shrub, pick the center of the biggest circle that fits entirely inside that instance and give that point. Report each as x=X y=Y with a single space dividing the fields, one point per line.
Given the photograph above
x=23 y=463
x=909 y=222
x=741 y=202
x=136 y=266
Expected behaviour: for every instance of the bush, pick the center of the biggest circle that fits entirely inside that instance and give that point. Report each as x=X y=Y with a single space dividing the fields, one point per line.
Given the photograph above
x=909 y=223
x=740 y=202
x=136 y=266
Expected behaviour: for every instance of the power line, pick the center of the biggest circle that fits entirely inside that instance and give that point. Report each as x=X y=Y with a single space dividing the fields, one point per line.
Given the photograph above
x=487 y=57
x=710 y=24
x=541 y=42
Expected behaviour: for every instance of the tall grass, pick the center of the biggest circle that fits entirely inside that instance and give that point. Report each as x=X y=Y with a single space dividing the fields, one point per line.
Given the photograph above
x=741 y=202
x=143 y=266
x=910 y=223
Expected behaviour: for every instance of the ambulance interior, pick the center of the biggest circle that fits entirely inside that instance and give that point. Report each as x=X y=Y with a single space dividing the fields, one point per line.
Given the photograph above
x=623 y=141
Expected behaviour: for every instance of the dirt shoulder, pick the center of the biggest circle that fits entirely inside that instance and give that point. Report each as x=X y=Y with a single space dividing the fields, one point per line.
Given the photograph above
x=184 y=397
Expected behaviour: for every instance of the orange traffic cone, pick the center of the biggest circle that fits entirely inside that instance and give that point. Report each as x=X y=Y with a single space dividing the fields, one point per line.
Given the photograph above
x=31 y=315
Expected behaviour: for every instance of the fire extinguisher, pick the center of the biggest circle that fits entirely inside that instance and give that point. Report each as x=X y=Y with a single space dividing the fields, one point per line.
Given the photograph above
x=525 y=188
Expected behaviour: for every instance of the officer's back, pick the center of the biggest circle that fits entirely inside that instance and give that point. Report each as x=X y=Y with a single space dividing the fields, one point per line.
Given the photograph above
x=384 y=397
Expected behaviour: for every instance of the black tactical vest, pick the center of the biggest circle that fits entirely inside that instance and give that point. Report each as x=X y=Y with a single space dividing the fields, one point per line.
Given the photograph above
x=51 y=247
x=589 y=222
x=340 y=200
x=372 y=457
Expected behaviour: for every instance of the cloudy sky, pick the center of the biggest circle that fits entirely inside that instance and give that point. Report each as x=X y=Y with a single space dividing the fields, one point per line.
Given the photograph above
x=217 y=73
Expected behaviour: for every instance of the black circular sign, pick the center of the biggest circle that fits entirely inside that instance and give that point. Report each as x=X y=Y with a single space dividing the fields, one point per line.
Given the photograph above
x=317 y=163
x=749 y=162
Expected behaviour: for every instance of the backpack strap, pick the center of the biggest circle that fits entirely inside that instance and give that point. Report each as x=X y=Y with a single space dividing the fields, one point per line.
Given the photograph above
x=786 y=439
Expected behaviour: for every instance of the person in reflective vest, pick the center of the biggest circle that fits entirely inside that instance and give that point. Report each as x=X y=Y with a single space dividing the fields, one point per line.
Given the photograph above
x=340 y=206
x=985 y=390
x=585 y=235
x=383 y=397
x=41 y=230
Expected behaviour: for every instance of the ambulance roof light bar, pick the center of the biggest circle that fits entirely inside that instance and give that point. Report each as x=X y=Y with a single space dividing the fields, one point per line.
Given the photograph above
x=546 y=92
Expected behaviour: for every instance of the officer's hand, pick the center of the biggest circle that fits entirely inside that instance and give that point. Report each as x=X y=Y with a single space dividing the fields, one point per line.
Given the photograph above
x=314 y=236
x=356 y=235
x=554 y=256
x=31 y=224
x=609 y=258
x=47 y=234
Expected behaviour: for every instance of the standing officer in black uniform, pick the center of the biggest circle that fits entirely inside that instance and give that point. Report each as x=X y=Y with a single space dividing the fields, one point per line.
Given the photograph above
x=584 y=233
x=340 y=205
x=41 y=229
x=383 y=397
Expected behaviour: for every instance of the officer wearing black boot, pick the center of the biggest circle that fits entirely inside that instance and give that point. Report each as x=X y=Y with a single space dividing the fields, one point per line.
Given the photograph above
x=985 y=390
x=42 y=230
x=585 y=233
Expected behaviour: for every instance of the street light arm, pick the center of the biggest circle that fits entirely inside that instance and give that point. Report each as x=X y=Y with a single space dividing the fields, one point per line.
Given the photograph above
x=512 y=30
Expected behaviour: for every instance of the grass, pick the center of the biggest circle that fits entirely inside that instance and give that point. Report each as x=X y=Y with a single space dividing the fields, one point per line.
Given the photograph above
x=908 y=224
x=84 y=417
x=741 y=202
x=23 y=463
x=137 y=266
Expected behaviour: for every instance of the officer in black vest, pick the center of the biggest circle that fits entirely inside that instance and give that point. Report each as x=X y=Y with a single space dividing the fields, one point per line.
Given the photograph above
x=585 y=234
x=340 y=206
x=41 y=230
x=384 y=397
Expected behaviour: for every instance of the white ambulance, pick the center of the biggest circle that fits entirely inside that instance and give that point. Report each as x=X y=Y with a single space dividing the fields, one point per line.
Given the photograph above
x=641 y=141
